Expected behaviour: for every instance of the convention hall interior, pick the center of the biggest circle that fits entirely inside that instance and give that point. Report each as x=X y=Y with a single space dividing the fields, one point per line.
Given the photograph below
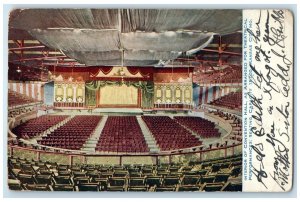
x=124 y=100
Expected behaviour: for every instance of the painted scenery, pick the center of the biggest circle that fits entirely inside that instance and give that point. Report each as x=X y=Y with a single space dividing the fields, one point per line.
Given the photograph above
x=125 y=100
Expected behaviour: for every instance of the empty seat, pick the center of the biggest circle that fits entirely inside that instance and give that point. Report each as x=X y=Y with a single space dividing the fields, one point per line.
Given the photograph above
x=62 y=167
x=120 y=174
x=162 y=173
x=93 y=174
x=44 y=179
x=190 y=180
x=102 y=182
x=173 y=169
x=79 y=174
x=64 y=172
x=232 y=186
x=88 y=187
x=106 y=174
x=27 y=169
x=207 y=179
x=136 y=181
x=75 y=169
x=114 y=181
x=165 y=189
x=212 y=186
x=117 y=188
x=26 y=179
x=215 y=168
x=236 y=171
x=202 y=172
x=46 y=172
x=135 y=174
x=147 y=170
x=14 y=185
x=190 y=172
x=63 y=180
x=174 y=174
x=170 y=181
x=151 y=181
x=137 y=189
x=221 y=177
x=38 y=187
x=63 y=187
x=188 y=188
x=79 y=180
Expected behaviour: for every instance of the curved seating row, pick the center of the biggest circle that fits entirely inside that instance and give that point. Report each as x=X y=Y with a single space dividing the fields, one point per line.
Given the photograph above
x=232 y=101
x=122 y=134
x=211 y=175
x=169 y=134
x=38 y=125
x=203 y=127
x=15 y=99
x=73 y=134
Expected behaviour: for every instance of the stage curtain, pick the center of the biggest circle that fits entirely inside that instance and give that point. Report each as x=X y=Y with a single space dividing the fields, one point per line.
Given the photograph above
x=146 y=87
x=90 y=97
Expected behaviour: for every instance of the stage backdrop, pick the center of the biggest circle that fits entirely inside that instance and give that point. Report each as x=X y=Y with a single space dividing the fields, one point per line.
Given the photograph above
x=120 y=93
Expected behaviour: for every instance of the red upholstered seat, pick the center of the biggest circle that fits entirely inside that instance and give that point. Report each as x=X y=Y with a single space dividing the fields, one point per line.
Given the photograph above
x=73 y=134
x=38 y=125
x=232 y=100
x=231 y=74
x=169 y=134
x=15 y=99
x=122 y=134
x=203 y=127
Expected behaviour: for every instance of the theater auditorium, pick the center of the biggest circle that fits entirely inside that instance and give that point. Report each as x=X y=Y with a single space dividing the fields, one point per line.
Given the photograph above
x=124 y=100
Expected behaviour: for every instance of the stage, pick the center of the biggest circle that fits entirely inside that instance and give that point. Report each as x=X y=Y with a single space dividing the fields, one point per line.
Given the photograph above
x=118 y=110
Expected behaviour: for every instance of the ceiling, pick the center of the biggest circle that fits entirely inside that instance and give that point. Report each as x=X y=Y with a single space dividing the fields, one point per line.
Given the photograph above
x=116 y=37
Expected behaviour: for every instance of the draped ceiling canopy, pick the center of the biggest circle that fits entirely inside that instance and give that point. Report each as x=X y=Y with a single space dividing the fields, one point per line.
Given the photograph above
x=129 y=37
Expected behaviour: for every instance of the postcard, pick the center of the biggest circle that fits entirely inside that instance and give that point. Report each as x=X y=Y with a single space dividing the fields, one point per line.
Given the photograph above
x=150 y=100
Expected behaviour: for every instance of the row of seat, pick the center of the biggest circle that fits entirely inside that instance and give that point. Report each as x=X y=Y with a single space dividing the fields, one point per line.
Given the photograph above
x=122 y=134
x=169 y=134
x=203 y=127
x=235 y=122
x=230 y=74
x=15 y=99
x=36 y=126
x=232 y=100
x=220 y=175
x=207 y=187
x=73 y=134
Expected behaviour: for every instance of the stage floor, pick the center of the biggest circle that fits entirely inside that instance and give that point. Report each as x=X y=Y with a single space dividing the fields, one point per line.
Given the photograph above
x=118 y=110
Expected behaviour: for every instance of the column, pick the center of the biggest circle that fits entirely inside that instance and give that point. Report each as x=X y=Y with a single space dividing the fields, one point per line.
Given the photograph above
x=65 y=93
x=74 y=93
